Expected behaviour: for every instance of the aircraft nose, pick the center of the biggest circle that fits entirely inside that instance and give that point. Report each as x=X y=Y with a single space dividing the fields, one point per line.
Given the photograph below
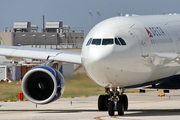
x=96 y=55
x=94 y=62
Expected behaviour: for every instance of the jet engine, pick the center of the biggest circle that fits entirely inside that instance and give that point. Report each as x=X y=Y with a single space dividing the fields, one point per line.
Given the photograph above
x=43 y=84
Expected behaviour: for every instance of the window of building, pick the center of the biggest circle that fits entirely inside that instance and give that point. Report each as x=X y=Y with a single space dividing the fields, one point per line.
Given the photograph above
x=107 y=42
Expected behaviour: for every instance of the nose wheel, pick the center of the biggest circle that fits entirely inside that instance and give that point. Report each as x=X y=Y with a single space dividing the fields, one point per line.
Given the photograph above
x=124 y=99
x=113 y=102
x=103 y=102
x=120 y=108
x=111 y=108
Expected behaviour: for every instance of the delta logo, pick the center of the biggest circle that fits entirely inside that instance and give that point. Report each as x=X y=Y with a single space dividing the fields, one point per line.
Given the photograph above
x=155 y=31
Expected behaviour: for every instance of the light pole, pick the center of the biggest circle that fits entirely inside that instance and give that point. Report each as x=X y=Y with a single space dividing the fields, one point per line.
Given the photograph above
x=99 y=14
x=91 y=15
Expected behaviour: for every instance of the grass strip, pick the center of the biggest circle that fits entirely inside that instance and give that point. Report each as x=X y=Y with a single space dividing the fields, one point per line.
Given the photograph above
x=77 y=86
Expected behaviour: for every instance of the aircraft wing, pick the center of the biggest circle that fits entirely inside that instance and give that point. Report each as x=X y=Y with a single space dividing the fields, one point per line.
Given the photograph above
x=16 y=52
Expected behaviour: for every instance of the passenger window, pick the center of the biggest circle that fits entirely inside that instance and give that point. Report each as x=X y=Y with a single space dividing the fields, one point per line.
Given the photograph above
x=107 y=42
x=117 y=42
x=96 y=42
x=89 y=42
x=122 y=41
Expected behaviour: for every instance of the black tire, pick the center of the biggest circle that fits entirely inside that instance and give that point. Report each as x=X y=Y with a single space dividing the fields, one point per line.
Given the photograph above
x=102 y=103
x=120 y=108
x=124 y=100
x=111 y=108
x=106 y=101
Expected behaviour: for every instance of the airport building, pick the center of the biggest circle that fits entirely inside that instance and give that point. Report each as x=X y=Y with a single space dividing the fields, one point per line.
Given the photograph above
x=53 y=35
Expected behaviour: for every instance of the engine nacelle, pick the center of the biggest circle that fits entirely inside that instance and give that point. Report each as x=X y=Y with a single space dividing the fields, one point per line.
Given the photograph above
x=42 y=85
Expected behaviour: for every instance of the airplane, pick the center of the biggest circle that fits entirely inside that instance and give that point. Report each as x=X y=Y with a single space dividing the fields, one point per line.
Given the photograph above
x=118 y=53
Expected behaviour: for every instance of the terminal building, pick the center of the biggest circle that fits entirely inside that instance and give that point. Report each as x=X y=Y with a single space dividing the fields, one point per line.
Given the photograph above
x=53 y=35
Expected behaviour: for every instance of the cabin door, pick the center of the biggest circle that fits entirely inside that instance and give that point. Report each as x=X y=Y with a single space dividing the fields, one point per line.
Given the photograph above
x=142 y=41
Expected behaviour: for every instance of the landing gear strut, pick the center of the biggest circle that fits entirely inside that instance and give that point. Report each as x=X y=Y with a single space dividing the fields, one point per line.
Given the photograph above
x=114 y=101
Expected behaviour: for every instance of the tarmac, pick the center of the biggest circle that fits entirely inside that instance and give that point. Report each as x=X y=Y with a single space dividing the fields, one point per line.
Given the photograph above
x=142 y=106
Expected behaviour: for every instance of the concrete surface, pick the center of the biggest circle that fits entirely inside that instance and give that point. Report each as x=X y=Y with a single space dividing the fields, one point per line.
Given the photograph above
x=144 y=106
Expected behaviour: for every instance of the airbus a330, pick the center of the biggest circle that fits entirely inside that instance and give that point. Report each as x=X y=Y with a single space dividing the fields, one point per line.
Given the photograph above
x=118 y=53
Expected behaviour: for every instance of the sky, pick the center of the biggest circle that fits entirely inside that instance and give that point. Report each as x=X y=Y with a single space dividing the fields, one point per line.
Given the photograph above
x=75 y=13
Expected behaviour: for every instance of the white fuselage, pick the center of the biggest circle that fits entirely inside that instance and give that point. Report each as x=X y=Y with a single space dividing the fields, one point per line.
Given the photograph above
x=150 y=51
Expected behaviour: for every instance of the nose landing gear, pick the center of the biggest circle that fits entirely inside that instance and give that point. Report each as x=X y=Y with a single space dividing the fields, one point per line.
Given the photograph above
x=113 y=101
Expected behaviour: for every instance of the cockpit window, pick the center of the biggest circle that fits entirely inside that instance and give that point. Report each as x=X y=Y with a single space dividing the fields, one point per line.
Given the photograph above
x=122 y=41
x=96 y=42
x=117 y=42
x=89 y=42
x=107 y=42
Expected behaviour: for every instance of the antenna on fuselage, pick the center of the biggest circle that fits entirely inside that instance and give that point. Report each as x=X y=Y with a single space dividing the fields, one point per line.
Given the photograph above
x=119 y=13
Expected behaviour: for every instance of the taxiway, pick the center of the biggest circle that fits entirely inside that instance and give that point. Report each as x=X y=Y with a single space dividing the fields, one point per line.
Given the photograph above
x=142 y=106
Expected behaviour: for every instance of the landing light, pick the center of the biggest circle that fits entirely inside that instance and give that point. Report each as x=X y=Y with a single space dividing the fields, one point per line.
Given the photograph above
x=111 y=89
x=118 y=89
x=177 y=59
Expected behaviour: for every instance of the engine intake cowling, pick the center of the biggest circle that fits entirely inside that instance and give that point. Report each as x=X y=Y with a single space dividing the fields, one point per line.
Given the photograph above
x=42 y=85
